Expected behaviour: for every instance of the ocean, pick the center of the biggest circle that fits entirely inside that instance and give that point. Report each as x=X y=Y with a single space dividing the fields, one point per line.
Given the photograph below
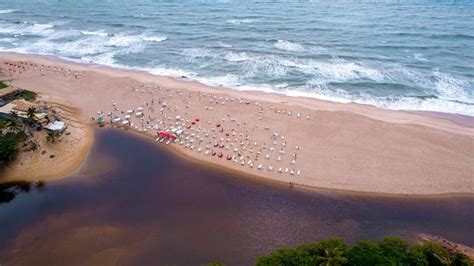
x=402 y=55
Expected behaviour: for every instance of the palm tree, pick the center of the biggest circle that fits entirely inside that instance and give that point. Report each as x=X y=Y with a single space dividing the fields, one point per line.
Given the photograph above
x=13 y=125
x=443 y=258
x=333 y=256
x=31 y=114
x=14 y=114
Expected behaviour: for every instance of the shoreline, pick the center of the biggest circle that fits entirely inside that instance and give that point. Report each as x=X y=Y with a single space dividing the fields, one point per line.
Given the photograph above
x=462 y=119
x=406 y=123
x=269 y=181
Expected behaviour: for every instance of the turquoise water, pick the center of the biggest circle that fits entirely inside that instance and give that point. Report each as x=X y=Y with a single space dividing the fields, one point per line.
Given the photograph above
x=410 y=55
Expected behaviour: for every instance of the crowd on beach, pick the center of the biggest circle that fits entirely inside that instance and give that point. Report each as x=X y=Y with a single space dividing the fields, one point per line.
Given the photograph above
x=11 y=68
x=167 y=115
x=300 y=142
x=170 y=116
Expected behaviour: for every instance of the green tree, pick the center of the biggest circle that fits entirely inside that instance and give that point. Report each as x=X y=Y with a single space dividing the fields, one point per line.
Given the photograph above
x=367 y=253
x=31 y=114
x=390 y=251
x=459 y=259
x=8 y=148
x=333 y=256
x=395 y=250
x=416 y=257
x=12 y=124
x=284 y=257
x=429 y=253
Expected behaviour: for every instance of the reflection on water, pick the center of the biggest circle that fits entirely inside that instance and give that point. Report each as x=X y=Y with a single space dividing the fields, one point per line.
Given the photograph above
x=156 y=208
x=8 y=191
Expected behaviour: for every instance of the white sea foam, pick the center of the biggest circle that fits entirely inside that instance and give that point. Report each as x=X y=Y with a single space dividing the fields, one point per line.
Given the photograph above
x=197 y=53
x=419 y=57
x=40 y=28
x=450 y=87
x=106 y=59
x=27 y=29
x=155 y=38
x=122 y=40
x=288 y=46
x=169 y=71
x=6 y=11
x=101 y=33
x=227 y=80
x=254 y=69
x=224 y=45
x=413 y=103
x=240 y=21
x=236 y=57
x=343 y=71
x=7 y=40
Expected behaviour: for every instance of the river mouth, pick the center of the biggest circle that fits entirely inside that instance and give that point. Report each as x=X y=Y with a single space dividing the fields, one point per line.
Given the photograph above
x=136 y=203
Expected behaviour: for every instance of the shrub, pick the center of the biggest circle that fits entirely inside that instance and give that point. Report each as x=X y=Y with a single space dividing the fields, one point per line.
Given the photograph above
x=390 y=251
x=433 y=253
x=395 y=250
x=367 y=253
x=9 y=147
x=29 y=95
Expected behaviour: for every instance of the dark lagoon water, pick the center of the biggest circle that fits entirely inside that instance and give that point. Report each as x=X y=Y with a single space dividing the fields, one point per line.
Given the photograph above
x=136 y=203
x=397 y=54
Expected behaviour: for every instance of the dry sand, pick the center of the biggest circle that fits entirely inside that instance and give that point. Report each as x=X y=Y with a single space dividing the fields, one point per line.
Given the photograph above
x=341 y=146
x=58 y=159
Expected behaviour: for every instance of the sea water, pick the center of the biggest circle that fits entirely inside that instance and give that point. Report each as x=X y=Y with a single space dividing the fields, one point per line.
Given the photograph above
x=409 y=55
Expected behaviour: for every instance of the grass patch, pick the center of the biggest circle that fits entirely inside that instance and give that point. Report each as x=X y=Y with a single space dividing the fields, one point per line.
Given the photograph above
x=29 y=95
x=3 y=85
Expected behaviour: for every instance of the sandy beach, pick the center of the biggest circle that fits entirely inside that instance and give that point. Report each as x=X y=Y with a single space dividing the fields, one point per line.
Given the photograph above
x=58 y=159
x=290 y=139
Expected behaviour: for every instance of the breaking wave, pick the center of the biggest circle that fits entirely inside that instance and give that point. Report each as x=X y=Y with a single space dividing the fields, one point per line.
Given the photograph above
x=288 y=46
x=6 y=11
x=240 y=21
x=299 y=55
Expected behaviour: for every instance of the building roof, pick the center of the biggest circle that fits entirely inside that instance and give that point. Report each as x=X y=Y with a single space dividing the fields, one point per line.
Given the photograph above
x=22 y=105
x=56 y=126
x=8 y=108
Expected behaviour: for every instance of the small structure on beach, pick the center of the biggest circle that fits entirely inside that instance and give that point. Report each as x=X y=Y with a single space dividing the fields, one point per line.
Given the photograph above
x=56 y=126
x=21 y=108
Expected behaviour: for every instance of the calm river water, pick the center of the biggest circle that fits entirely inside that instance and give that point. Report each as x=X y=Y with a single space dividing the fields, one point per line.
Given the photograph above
x=135 y=203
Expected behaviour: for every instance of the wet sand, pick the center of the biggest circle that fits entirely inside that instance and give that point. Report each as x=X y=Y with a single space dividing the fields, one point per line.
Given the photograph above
x=299 y=140
x=154 y=208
